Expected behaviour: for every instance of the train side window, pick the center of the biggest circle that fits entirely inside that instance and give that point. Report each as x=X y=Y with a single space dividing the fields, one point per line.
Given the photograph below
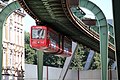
x=67 y=46
x=54 y=38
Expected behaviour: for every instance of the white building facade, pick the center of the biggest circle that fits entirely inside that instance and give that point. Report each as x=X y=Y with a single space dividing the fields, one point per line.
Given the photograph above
x=13 y=47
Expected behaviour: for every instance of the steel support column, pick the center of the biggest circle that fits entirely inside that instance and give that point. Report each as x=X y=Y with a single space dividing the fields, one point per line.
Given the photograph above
x=68 y=62
x=104 y=51
x=103 y=29
x=89 y=60
x=40 y=64
x=1 y=53
x=3 y=16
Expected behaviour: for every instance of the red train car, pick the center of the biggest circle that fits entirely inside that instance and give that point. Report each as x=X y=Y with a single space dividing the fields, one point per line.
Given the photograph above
x=50 y=41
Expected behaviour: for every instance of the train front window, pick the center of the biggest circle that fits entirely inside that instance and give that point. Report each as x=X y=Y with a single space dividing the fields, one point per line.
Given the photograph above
x=38 y=33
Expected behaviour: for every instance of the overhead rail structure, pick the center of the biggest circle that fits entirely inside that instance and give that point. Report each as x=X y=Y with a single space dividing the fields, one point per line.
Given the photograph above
x=59 y=15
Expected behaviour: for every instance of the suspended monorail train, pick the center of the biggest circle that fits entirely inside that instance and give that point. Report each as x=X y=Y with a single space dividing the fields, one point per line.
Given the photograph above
x=51 y=42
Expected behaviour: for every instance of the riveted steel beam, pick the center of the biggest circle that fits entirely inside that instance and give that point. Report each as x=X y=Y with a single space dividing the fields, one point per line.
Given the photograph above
x=89 y=60
x=40 y=64
x=68 y=62
x=3 y=16
x=103 y=30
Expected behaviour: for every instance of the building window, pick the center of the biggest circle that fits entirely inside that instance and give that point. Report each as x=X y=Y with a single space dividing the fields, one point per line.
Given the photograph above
x=6 y=32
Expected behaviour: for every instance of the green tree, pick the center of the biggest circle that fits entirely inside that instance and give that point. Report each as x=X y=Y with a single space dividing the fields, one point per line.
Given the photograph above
x=29 y=52
x=52 y=60
x=96 y=62
x=80 y=58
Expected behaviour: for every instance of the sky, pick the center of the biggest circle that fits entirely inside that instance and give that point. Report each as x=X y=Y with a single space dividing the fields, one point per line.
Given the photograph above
x=104 y=5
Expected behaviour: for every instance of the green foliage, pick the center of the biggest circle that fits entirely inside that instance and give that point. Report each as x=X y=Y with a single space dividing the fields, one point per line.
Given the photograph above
x=80 y=58
x=96 y=62
x=30 y=56
x=52 y=60
x=27 y=38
